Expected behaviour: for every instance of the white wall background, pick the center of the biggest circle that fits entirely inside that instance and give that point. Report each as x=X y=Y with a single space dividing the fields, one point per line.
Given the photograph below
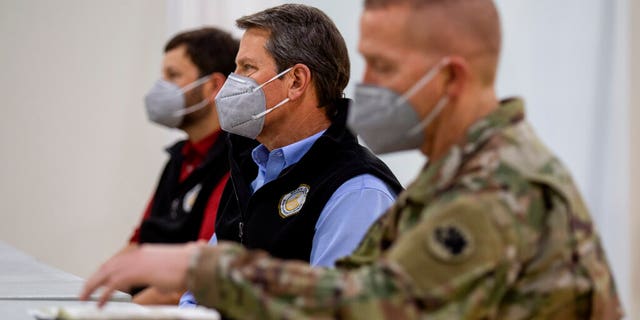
x=79 y=159
x=635 y=157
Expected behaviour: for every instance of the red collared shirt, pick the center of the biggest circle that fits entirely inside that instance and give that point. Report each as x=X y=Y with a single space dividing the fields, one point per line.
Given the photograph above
x=194 y=154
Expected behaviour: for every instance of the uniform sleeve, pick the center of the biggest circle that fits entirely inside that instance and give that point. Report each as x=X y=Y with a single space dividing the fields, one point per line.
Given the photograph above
x=456 y=262
x=188 y=300
x=346 y=217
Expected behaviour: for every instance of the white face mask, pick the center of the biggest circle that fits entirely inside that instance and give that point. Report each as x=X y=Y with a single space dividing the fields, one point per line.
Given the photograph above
x=386 y=121
x=242 y=105
x=165 y=102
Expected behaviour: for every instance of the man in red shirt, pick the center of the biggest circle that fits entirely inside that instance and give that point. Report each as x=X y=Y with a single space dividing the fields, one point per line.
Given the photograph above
x=184 y=205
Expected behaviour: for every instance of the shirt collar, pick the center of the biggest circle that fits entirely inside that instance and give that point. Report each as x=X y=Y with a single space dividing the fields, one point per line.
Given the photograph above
x=202 y=146
x=291 y=153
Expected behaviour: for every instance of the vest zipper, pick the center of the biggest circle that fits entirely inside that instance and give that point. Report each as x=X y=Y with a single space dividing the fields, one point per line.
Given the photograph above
x=240 y=224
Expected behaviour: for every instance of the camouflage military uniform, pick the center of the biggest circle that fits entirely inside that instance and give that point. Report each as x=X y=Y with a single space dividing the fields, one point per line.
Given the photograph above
x=494 y=230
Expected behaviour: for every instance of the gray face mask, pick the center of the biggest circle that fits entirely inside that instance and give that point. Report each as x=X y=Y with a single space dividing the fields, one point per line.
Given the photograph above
x=165 y=102
x=242 y=105
x=386 y=121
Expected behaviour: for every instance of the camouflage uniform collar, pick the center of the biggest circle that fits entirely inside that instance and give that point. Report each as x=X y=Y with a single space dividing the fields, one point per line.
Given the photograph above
x=509 y=112
x=438 y=175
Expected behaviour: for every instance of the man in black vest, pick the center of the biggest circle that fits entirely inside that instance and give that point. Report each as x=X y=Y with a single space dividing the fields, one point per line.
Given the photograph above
x=186 y=200
x=309 y=191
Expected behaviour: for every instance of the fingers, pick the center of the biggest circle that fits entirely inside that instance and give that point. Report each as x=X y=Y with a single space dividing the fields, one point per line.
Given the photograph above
x=94 y=282
x=162 y=266
x=106 y=294
x=106 y=280
x=110 y=276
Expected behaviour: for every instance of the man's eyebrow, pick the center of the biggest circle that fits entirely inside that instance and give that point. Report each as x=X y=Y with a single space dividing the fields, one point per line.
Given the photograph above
x=170 y=70
x=375 y=57
x=245 y=60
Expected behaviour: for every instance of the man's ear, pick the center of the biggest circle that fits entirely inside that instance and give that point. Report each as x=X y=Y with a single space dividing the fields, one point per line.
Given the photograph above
x=299 y=79
x=210 y=88
x=458 y=72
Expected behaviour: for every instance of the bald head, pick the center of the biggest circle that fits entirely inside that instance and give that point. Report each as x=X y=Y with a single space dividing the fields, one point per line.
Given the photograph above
x=466 y=28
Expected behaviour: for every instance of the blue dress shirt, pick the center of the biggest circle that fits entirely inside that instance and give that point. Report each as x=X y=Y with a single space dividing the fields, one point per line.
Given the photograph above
x=365 y=197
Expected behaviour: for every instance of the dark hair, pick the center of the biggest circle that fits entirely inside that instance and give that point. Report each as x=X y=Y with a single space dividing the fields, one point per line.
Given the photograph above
x=210 y=49
x=385 y=3
x=306 y=35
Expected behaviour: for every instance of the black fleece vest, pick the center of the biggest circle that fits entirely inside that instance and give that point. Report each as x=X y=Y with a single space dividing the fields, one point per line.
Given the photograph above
x=178 y=208
x=280 y=217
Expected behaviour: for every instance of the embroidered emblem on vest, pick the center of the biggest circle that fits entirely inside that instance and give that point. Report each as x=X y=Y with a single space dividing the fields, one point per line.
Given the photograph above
x=190 y=198
x=291 y=203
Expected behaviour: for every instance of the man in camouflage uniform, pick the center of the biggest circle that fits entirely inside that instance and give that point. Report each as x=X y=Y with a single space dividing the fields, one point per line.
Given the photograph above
x=492 y=228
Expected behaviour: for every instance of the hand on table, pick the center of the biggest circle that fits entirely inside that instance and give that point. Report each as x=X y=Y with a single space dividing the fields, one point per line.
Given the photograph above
x=161 y=266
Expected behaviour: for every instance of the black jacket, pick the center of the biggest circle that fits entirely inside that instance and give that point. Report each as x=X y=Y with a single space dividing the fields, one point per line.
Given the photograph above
x=281 y=216
x=178 y=208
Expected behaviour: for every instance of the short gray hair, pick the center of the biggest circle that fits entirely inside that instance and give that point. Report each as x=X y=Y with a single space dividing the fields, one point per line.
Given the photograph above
x=306 y=35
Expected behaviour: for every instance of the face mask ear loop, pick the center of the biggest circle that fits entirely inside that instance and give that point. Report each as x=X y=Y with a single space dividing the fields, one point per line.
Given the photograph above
x=430 y=117
x=272 y=79
x=196 y=106
x=194 y=84
x=192 y=108
x=423 y=81
x=266 y=112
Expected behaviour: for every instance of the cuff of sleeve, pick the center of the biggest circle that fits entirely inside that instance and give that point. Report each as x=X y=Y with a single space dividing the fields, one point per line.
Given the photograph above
x=209 y=268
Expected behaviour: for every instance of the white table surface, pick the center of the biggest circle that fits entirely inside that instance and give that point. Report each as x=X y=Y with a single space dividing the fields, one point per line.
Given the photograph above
x=26 y=283
x=19 y=309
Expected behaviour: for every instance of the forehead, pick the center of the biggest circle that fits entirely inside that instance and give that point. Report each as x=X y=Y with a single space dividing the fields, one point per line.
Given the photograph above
x=253 y=47
x=178 y=58
x=385 y=31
